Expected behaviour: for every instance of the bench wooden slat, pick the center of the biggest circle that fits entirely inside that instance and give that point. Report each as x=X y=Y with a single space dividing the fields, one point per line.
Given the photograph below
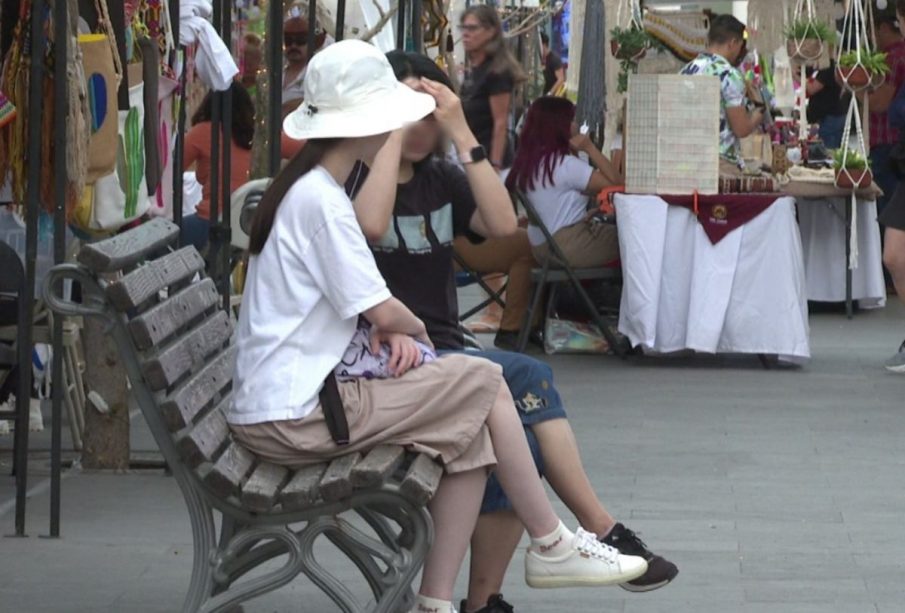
x=420 y=482
x=303 y=489
x=336 y=483
x=160 y=322
x=202 y=441
x=181 y=407
x=129 y=248
x=226 y=476
x=180 y=357
x=146 y=281
x=259 y=493
x=379 y=464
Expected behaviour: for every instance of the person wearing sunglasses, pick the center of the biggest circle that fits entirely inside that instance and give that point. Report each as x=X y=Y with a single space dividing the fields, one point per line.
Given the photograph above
x=295 y=48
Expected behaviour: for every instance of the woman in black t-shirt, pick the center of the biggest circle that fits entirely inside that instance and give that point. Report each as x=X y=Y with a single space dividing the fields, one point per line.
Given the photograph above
x=489 y=82
x=827 y=105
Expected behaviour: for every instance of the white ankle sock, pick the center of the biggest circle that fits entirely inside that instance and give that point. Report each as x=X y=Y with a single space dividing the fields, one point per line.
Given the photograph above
x=554 y=544
x=423 y=604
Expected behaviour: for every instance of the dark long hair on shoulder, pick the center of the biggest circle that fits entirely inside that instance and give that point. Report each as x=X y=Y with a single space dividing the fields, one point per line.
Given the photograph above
x=543 y=144
x=243 y=128
x=498 y=54
x=304 y=162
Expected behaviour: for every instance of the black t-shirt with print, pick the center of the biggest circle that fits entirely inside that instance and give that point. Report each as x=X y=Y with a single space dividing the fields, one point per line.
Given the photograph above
x=551 y=65
x=415 y=256
x=479 y=85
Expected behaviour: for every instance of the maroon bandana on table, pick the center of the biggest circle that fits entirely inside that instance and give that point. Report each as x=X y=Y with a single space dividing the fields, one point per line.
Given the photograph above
x=720 y=215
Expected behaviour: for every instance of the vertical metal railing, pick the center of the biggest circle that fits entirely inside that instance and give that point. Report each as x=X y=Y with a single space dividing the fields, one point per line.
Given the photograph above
x=400 y=25
x=275 y=78
x=222 y=232
x=417 y=29
x=340 y=20
x=25 y=339
x=62 y=37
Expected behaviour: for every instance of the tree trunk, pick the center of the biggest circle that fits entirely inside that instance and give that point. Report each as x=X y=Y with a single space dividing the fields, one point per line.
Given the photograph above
x=106 y=438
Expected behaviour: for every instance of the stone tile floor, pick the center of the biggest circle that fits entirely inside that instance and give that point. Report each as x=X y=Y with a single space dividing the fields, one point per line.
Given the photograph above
x=775 y=491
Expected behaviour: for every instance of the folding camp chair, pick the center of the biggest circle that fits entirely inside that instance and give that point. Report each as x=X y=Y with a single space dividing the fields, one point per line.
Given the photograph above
x=465 y=276
x=554 y=270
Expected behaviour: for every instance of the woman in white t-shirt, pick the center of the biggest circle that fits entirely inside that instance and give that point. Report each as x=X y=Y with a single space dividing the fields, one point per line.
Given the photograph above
x=557 y=183
x=311 y=276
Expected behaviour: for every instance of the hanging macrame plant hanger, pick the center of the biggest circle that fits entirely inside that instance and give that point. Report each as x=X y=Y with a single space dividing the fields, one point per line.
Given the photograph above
x=857 y=43
x=808 y=47
x=853 y=178
x=628 y=17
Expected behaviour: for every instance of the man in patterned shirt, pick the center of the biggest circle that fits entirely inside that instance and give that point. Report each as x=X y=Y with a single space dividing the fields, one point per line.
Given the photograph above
x=726 y=47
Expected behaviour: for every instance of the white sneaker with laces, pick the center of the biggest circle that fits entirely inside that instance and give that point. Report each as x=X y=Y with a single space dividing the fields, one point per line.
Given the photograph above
x=589 y=563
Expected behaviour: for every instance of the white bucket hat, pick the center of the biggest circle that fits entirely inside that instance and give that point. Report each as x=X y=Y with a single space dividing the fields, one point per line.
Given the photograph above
x=351 y=91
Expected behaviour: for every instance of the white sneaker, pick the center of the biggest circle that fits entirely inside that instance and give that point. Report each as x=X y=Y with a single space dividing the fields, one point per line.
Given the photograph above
x=589 y=563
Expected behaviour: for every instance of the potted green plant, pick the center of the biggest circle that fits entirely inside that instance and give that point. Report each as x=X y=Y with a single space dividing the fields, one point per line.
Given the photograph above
x=806 y=39
x=852 y=169
x=629 y=43
x=859 y=71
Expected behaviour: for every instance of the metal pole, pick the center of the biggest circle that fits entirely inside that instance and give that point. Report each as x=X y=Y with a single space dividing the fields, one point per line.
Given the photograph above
x=179 y=144
x=223 y=236
x=340 y=19
x=275 y=77
x=400 y=26
x=27 y=302
x=417 y=29
x=312 y=28
x=216 y=115
x=60 y=113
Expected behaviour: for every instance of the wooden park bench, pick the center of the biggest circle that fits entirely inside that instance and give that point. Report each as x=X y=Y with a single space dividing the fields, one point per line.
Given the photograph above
x=174 y=340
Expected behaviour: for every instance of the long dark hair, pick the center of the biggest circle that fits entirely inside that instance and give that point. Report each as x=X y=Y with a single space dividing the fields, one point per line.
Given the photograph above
x=243 y=128
x=303 y=163
x=544 y=143
x=498 y=55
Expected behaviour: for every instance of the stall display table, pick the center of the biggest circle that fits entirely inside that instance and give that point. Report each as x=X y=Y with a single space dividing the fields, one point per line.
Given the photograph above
x=825 y=214
x=744 y=293
x=825 y=237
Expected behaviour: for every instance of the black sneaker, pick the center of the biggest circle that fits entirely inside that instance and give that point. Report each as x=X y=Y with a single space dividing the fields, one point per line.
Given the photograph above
x=495 y=604
x=660 y=572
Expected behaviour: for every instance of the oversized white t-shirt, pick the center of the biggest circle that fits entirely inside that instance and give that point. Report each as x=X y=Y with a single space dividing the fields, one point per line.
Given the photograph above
x=564 y=202
x=303 y=295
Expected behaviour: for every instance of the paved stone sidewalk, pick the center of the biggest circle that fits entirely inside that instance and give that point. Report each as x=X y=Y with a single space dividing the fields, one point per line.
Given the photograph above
x=775 y=492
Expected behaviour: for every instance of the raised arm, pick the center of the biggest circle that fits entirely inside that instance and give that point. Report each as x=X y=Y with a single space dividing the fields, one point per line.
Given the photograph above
x=375 y=200
x=495 y=216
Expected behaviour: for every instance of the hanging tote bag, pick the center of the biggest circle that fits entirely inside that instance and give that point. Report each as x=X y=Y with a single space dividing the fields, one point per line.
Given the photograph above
x=121 y=196
x=102 y=83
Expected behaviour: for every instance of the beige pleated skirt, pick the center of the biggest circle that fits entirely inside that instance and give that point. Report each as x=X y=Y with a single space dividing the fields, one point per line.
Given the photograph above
x=439 y=409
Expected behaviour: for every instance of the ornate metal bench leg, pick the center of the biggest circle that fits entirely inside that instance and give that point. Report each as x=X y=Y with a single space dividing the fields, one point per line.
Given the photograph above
x=267 y=582
x=203 y=537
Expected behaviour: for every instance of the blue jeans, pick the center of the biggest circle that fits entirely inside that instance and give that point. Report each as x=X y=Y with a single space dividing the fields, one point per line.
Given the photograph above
x=195 y=231
x=884 y=176
x=831 y=128
x=531 y=383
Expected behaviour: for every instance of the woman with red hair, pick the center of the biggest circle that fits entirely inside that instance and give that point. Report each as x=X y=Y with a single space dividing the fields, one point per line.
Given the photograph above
x=557 y=183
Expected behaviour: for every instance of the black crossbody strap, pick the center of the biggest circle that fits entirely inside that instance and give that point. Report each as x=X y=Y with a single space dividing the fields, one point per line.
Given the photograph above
x=334 y=413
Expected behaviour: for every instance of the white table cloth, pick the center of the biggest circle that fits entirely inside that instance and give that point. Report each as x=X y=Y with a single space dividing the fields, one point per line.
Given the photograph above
x=746 y=294
x=822 y=224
